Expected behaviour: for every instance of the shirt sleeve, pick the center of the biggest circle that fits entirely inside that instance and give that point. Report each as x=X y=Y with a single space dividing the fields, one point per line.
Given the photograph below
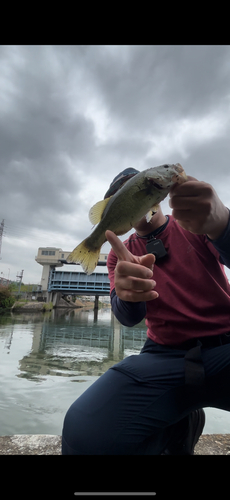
x=128 y=313
x=222 y=245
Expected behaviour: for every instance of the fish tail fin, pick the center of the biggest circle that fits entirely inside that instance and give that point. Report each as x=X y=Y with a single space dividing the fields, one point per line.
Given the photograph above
x=85 y=255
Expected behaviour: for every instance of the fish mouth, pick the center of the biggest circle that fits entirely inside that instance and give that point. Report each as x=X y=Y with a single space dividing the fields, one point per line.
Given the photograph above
x=180 y=170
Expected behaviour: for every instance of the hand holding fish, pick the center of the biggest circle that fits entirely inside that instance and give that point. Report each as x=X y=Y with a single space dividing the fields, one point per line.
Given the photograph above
x=197 y=208
x=133 y=274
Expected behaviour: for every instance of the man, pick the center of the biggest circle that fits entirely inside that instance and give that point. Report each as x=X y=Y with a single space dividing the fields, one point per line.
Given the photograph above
x=170 y=271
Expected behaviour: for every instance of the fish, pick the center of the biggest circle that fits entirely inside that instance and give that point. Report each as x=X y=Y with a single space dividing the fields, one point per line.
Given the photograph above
x=137 y=197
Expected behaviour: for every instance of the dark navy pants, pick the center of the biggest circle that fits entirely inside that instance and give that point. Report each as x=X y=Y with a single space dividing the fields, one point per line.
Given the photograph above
x=141 y=404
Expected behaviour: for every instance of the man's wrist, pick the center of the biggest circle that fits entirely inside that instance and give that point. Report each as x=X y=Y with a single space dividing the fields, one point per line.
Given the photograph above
x=216 y=233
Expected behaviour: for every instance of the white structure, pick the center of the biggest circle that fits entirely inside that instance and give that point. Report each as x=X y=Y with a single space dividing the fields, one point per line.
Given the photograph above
x=51 y=256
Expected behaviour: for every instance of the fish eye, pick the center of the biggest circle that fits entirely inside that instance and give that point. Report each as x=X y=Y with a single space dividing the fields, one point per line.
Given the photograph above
x=165 y=166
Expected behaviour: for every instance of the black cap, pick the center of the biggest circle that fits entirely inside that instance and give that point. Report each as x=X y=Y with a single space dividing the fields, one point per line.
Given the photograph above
x=119 y=180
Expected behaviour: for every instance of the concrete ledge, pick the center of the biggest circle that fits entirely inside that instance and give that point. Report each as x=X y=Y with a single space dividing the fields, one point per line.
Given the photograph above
x=46 y=444
x=213 y=444
x=30 y=444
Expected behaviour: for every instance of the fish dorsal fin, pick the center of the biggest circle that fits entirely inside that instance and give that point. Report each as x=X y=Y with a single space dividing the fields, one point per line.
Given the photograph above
x=96 y=212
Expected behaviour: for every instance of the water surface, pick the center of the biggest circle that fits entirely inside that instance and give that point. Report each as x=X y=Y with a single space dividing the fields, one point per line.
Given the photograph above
x=48 y=360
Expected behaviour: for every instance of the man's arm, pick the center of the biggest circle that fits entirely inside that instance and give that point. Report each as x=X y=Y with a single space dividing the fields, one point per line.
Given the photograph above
x=128 y=313
x=222 y=244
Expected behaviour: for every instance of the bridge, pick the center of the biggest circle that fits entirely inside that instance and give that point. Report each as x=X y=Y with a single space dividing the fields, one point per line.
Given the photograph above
x=78 y=283
x=50 y=258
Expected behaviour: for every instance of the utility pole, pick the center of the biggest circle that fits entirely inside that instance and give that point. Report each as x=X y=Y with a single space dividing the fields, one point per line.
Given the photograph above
x=1 y=234
x=20 y=282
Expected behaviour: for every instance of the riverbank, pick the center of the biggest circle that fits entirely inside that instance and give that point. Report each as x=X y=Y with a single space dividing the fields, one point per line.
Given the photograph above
x=45 y=444
x=31 y=306
x=35 y=306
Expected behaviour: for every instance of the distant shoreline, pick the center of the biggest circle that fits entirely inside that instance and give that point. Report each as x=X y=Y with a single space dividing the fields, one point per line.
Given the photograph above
x=34 y=306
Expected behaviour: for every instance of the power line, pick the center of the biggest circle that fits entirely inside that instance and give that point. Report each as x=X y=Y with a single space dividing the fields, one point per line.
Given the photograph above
x=18 y=231
x=12 y=228
x=23 y=232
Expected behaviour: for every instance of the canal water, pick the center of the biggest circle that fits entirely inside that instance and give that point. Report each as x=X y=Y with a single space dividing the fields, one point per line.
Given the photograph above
x=48 y=360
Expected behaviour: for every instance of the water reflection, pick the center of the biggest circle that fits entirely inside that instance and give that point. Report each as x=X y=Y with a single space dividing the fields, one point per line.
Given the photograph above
x=73 y=344
x=42 y=353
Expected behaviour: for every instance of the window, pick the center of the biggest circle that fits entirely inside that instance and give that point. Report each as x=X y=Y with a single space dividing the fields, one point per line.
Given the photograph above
x=46 y=252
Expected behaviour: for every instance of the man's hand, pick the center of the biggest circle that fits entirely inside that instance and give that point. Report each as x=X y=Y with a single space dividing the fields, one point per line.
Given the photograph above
x=197 y=208
x=133 y=275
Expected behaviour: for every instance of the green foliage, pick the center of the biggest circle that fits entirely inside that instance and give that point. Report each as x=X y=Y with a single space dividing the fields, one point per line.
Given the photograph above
x=24 y=288
x=6 y=299
x=48 y=306
x=13 y=286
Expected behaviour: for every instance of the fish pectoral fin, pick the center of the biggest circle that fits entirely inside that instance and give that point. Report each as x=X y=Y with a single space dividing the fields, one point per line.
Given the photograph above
x=152 y=211
x=155 y=208
x=96 y=212
x=149 y=216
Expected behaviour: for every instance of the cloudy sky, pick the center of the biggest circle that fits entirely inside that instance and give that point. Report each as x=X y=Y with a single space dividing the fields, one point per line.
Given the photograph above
x=72 y=117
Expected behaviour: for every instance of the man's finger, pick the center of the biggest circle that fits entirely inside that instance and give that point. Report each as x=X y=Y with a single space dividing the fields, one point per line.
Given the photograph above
x=148 y=260
x=133 y=269
x=131 y=296
x=185 y=202
x=135 y=284
x=118 y=247
x=185 y=187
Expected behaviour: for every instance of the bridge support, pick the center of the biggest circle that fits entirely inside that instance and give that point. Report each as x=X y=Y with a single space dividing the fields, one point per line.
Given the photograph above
x=95 y=308
x=96 y=302
x=56 y=298
x=116 y=338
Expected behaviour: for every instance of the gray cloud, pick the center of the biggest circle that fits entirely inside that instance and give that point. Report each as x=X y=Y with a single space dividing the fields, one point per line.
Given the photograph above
x=158 y=83
x=72 y=117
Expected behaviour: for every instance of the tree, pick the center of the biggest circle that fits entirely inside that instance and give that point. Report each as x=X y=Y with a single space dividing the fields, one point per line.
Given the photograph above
x=6 y=299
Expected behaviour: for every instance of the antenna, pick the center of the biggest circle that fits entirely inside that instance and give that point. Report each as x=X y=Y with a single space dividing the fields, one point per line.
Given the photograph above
x=19 y=275
x=1 y=233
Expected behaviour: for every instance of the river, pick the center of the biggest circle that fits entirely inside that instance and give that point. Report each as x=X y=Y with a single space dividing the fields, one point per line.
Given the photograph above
x=48 y=360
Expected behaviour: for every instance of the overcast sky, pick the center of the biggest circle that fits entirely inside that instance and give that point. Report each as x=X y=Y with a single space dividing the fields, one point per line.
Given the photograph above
x=73 y=117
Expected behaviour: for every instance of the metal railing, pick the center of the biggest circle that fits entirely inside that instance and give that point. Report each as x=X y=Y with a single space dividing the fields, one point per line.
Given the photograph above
x=79 y=283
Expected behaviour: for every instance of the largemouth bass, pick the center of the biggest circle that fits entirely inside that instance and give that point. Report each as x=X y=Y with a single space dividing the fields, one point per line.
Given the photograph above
x=139 y=196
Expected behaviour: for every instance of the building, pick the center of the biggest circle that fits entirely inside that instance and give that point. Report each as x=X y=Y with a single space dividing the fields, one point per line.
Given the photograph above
x=55 y=257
